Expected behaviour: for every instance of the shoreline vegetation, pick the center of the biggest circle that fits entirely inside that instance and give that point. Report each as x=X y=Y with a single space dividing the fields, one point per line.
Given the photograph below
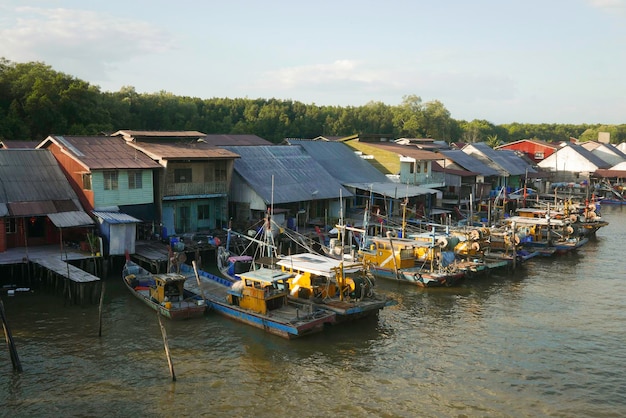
x=37 y=101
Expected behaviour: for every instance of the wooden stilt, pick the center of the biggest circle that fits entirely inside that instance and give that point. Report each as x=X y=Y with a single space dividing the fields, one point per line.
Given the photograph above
x=9 y=338
x=167 y=348
x=100 y=311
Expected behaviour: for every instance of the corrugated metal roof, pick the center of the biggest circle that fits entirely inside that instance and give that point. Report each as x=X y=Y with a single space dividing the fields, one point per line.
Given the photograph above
x=12 y=144
x=437 y=167
x=409 y=150
x=70 y=219
x=297 y=176
x=42 y=207
x=533 y=141
x=507 y=160
x=395 y=190
x=610 y=173
x=116 y=217
x=341 y=161
x=235 y=140
x=590 y=156
x=470 y=162
x=32 y=176
x=130 y=134
x=179 y=151
x=512 y=162
x=598 y=148
x=102 y=152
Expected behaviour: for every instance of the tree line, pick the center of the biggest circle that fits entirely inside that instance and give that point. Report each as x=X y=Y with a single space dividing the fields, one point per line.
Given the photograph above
x=37 y=101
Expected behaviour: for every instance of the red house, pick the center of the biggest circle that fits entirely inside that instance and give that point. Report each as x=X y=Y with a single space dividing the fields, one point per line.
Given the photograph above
x=534 y=149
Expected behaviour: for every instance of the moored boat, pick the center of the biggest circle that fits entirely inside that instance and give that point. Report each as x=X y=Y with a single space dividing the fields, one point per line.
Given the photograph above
x=231 y=265
x=165 y=293
x=410 y=261
x=260 y=299
x=331 y=284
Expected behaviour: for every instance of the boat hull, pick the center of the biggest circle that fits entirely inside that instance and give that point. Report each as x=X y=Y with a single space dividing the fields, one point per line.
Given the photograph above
x=289 y=321
x=266 y=323
x=191 y=307
x=417 y=277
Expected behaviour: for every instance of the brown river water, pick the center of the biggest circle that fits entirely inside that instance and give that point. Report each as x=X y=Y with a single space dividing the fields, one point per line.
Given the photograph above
x=547 y=340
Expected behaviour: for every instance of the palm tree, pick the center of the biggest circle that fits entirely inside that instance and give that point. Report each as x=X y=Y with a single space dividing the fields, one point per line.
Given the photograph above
x=493 y=141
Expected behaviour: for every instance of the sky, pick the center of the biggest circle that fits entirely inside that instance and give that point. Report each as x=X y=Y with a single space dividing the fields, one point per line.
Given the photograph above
x=503 y=61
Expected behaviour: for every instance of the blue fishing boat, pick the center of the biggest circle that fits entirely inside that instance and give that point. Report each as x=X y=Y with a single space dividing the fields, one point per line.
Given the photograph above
x=260 y=299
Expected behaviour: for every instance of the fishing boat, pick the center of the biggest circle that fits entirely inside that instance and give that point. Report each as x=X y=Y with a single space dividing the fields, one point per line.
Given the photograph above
x=165 y=293
x=231 y=265
x=260 y=299
x=546 y=235
x=332 y=284
x=408 y=260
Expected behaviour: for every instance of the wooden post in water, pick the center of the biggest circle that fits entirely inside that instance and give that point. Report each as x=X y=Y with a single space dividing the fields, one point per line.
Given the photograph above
x=100 y=311
x=167 y=348
x=514 y=245
x=9 y=338
x=195 y=270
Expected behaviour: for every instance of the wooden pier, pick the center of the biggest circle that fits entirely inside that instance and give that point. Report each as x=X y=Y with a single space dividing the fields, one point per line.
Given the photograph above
x=49 y=268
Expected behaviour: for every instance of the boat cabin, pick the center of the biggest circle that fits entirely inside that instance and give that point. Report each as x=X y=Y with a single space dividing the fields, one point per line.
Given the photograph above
x=317 y=276
x=261 y=290
x=167 y=288
x=397 y=253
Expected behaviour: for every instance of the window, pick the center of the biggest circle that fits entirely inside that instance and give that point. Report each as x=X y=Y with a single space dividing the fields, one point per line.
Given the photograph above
x=203 y=212
x=110 y=180
x=87 y=181
x=538 y=155
x=182 y=175
x=184 y=220
x=9 y=226
x=135 y=180
x=215 y=171
x=220 y=171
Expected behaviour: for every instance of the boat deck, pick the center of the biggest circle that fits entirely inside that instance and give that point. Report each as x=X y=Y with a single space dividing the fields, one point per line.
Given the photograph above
x=212 y=290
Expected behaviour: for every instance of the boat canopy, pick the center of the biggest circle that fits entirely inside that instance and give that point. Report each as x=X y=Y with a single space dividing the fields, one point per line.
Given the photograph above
x=316 y=264
x=265 y=275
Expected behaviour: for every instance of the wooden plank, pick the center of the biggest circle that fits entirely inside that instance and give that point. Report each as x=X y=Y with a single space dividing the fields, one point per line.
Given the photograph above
x=62 y=268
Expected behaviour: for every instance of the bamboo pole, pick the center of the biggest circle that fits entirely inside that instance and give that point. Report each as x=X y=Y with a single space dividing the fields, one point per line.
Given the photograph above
x=17 y=366
x=195 y=270
x=167 y=348
x=100 y=311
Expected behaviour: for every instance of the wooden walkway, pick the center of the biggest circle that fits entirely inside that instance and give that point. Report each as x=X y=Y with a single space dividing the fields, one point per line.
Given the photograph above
x=65 y=269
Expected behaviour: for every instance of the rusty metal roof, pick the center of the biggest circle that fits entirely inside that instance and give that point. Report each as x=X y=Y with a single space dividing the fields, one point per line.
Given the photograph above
x=179 y=151
x=129 y=134
x=10 y=144
x=101 y=152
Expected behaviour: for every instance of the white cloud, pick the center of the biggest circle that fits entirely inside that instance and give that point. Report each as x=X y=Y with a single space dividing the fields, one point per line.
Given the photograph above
x=610 y=6
x=317 y=74
x=83 y=43
x=350 y=81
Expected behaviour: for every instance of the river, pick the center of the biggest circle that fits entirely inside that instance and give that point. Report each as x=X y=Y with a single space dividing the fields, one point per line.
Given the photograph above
x=546 y=340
